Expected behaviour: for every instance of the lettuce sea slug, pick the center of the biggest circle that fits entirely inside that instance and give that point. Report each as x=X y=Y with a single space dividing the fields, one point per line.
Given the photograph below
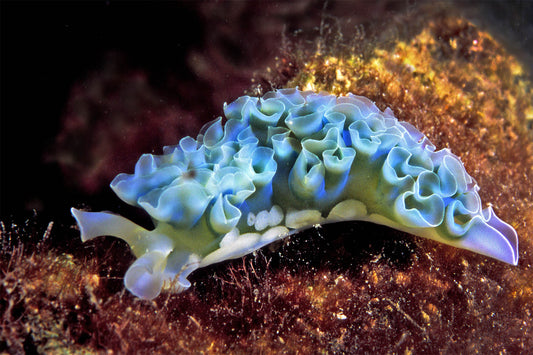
x=281 y=163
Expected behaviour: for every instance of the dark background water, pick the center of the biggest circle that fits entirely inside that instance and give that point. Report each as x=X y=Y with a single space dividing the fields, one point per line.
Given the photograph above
x=48 y=47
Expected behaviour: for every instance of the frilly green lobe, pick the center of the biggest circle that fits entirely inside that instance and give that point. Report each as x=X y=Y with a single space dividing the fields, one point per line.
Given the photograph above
x=283 y=162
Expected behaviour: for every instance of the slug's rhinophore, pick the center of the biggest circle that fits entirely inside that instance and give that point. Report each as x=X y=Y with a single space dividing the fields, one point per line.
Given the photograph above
x=284 y=162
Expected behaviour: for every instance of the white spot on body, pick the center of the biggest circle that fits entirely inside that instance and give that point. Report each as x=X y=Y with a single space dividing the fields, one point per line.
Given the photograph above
x=251 y=219
x=262 y=220
x=303 y=218
x=276 y=215
x=265 y=219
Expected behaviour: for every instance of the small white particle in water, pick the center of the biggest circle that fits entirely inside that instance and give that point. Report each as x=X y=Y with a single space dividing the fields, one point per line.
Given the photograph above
x=340 y=316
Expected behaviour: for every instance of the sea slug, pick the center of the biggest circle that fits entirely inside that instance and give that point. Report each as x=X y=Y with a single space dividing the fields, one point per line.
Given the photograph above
x=281 y=163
